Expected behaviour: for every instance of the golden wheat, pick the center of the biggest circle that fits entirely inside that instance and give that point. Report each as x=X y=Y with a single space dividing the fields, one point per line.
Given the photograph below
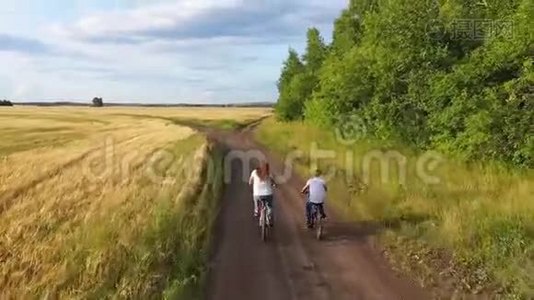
x=84 y=191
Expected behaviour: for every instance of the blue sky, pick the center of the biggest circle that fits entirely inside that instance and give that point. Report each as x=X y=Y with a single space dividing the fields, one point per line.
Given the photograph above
x=152 y=51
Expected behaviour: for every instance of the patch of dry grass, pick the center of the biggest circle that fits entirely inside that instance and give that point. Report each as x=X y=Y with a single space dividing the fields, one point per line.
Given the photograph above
x=90 y=204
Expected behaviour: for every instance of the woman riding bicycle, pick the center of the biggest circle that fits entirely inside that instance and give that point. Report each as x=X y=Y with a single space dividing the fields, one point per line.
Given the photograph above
x=262 y=188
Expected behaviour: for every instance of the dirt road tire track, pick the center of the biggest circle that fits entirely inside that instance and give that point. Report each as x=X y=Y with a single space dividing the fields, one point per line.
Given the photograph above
x=292 y=264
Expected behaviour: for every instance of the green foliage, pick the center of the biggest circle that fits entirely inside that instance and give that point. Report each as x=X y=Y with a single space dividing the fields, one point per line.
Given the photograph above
x=292 y=66
x=315 y=51
x=298 y=80
x=346 y=32
x=285 y=109
x=418 y=71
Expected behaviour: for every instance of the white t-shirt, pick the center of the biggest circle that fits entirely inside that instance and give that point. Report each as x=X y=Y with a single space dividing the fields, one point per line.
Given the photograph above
x=317 y=190
x=260 y=187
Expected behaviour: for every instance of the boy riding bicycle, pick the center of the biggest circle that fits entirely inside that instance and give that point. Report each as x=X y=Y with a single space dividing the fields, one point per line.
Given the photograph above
x=316 y=189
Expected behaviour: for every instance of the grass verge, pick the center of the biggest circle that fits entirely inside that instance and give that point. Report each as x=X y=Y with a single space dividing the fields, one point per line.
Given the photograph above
x=471 y=232
x=227 y=124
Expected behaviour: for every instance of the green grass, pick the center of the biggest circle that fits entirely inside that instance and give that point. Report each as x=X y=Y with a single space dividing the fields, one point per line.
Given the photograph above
x=221 y=124
x=478 y=221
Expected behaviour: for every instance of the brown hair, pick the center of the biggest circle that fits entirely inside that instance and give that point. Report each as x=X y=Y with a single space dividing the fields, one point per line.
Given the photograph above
x=263 y=171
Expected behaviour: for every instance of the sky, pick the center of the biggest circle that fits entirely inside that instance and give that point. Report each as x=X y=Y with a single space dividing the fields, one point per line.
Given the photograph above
x=152 y=51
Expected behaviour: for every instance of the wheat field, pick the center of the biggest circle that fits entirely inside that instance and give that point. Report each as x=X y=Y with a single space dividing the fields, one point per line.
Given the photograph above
x=90 y=200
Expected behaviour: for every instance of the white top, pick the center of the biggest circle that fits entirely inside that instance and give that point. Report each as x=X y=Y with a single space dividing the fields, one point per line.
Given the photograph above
x=317 y=190
x=260 y=187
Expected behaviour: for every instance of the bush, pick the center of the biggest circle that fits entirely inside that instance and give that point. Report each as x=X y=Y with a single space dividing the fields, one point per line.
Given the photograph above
x=98 y=102
x=5 y=103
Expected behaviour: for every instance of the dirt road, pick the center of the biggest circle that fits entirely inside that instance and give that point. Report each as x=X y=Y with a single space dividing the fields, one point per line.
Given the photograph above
x=292 y=264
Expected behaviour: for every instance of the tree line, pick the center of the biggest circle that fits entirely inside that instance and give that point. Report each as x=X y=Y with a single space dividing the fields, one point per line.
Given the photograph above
x=97 y=102
x=5 y=103
x=456 y=76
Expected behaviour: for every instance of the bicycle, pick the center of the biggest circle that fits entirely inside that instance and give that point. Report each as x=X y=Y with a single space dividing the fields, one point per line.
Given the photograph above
x=263 y=222
x=316 y=221
x=315 y=218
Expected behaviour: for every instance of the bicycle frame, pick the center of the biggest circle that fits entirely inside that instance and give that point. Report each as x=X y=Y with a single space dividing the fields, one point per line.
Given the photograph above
x=317 y=221
x=263 y=219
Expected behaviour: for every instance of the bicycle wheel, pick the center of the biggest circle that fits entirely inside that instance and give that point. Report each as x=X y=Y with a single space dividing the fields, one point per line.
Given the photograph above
x=263 y=225
x=319 y=228
x=317 y=219
x=313 y=217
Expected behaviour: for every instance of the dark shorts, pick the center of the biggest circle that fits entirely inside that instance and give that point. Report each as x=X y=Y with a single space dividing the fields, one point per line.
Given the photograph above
x=309 y=210
x=267 y=201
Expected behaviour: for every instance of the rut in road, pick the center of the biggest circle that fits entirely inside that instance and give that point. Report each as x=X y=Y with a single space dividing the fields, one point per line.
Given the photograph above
x=292 y=264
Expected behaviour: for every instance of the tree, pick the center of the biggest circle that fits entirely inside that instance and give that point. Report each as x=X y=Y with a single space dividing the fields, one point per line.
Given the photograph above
x=417 y=71
x=98 y=102
x=292 y=66
x=348 y=26
x=301 y=87
x=5 y=103
x=298 y=93
x=316 y=51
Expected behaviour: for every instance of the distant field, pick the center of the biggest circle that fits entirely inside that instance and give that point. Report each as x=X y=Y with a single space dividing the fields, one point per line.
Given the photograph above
x=26 y=128
x=103 y=202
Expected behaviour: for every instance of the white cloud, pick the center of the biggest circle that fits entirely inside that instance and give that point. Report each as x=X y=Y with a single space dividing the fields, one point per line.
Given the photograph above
x=158 y=17
x=203 y=19
x=188 y=50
